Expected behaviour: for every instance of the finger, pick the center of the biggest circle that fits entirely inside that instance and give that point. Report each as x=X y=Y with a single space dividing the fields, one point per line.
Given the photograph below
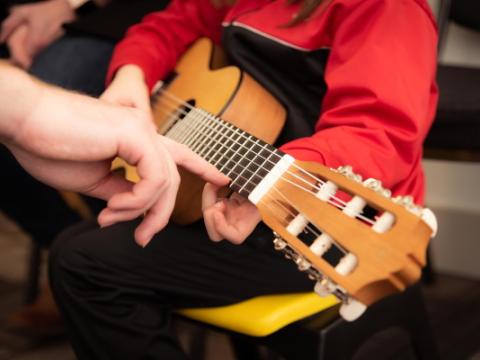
x=157 y=174
x=209 y=200
x=210 y=223
x=111 y=185
x=189 y=160
x=10 y=24
x=20 y=57
x=109 y=217
x=156 y=218
x=228 y=231
x=209 y=195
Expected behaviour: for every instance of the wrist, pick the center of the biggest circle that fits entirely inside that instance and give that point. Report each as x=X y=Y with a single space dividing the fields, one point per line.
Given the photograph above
x=130 y=72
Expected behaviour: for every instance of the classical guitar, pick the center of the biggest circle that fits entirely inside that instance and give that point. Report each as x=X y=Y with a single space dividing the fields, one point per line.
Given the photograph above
x=347 y=234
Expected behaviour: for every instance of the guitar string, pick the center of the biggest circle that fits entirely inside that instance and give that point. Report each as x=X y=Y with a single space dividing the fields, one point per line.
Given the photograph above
x=332 y=202
x=332 y=196
x=307 y=226
x=293 y=215
x=177 y=101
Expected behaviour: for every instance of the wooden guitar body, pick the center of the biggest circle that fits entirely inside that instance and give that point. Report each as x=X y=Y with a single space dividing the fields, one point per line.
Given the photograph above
x=223 y=91
x=347 y=233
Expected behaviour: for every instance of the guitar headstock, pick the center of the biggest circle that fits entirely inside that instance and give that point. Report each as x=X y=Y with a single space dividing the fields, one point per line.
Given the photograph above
x=346 y=233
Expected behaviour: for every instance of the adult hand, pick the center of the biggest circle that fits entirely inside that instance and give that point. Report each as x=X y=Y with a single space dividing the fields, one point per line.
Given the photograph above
x=128 y=88
x=44 y=20
x=16 y=44
x=68 y=141
x=232 y=219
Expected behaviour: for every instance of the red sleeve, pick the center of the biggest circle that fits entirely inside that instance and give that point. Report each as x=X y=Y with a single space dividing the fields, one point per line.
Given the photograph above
x=381 y=95
x=157 y=42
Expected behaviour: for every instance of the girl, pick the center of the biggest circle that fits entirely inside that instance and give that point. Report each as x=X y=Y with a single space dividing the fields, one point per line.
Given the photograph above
x=357 y=78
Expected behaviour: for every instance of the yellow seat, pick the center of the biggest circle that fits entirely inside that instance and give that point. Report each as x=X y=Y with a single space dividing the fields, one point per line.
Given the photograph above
x=262 y=315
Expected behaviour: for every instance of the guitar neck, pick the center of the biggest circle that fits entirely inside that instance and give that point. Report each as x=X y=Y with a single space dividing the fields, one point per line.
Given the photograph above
x=242 y=157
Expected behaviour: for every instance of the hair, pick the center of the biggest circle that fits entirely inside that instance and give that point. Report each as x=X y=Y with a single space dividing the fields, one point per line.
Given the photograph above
x=307 y=9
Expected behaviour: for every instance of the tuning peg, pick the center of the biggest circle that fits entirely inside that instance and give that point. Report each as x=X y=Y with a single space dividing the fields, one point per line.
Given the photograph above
x=430 y=219
x=324 y=287
x=376 y=185
x=347 y=171
x=279 y=244
x=407 y=202
x=352 y=309
x=302 y=263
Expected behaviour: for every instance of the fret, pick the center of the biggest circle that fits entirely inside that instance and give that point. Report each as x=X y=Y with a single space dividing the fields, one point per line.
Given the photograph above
x=255 y=169
x=263 y=158
x=212 y=141
x=232 y=145
x=240 y=156
x=191 y=130
x=198 y=123
x=205 y=136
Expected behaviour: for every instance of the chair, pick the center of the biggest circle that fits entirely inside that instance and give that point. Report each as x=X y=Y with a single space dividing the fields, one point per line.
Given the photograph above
x=305 y=326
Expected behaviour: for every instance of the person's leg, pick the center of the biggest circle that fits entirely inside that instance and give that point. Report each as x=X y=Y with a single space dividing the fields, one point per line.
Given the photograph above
x=76 y=63
x=117 y=297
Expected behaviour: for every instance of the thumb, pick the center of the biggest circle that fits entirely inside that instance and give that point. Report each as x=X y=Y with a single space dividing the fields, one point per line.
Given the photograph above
x=10 y=24
x=110 y=185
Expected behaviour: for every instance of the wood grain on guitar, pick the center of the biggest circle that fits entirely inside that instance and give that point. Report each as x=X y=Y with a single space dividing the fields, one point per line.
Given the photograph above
x=347 y=234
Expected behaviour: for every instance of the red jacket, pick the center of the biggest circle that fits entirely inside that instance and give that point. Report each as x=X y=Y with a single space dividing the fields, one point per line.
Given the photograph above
x=357 y=77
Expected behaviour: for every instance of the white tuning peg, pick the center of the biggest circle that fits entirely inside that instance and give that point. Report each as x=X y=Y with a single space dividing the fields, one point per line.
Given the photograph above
x=352 y=309
x=324 y=288
x=430 y=219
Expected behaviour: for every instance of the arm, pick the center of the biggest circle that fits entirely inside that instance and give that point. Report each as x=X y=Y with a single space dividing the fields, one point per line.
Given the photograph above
x=33 y=26
x=157 y=42
x=378 y=108
x=68 y=140
x=151 y=49
x=381 y=96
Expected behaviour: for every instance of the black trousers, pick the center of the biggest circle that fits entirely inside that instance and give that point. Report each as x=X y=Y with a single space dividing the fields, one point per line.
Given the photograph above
x=117 y=298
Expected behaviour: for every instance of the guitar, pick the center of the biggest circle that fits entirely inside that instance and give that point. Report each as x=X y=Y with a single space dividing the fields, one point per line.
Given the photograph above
x=345 y=233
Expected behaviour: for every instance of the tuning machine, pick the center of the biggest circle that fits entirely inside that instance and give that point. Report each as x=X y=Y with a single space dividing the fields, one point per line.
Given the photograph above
x=347 y=171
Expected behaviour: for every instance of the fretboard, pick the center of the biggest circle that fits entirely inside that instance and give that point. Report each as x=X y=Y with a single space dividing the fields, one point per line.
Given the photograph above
x=242 y=157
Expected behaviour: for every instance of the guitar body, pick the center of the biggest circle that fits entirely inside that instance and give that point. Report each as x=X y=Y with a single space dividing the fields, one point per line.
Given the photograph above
x=348 y=234
x=225 y=91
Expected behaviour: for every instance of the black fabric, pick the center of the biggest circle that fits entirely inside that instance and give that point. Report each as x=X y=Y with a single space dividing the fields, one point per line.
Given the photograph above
x=301 y=87
x=37 y=208
x=113 y=20
x=457 y=124
x=466 y=13
x=117 y=297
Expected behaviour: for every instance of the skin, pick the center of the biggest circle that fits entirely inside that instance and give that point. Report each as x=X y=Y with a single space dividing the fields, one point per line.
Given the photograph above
x=31 y=27
x=232 y=219
x=68 y=141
